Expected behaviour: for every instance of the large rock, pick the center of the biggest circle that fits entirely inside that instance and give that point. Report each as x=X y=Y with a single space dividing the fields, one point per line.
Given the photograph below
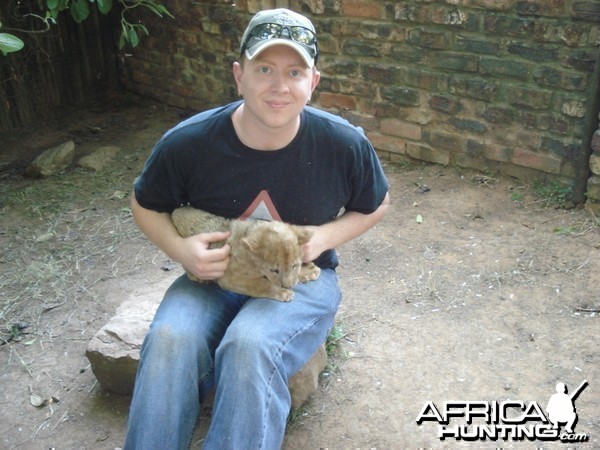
x=114 y=351
x=52 y=160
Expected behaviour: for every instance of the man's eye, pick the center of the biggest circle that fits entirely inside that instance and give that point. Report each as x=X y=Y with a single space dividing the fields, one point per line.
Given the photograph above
x=295 y=73
x=264 y=69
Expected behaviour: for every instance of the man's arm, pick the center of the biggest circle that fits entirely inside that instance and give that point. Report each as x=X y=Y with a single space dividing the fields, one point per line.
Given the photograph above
x=192 y=252
x=348 y=226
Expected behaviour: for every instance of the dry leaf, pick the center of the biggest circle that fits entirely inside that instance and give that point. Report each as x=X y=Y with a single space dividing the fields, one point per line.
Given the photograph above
x=37 y=400
x=119 y=194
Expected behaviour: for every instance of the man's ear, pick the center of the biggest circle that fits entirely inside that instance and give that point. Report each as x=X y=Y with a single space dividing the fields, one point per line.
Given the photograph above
x=315 y=80
x=237 y=75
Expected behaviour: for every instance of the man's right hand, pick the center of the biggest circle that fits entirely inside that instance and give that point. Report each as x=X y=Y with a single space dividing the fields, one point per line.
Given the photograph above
x=201 y=261
x=192 y=252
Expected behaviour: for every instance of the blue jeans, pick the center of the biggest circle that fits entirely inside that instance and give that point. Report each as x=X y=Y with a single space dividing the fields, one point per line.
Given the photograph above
x=203 y=337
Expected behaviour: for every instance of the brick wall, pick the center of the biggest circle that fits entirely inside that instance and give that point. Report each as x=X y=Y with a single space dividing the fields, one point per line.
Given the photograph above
x=495 y=85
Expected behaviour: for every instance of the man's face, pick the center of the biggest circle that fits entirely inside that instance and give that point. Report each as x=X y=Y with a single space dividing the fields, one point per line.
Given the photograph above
x=276 y=86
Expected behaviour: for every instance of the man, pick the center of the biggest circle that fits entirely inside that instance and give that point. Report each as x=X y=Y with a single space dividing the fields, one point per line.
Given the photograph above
x=268 y=156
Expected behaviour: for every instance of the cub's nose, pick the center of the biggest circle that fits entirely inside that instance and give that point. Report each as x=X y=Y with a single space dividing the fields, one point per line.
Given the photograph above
x=288 y=283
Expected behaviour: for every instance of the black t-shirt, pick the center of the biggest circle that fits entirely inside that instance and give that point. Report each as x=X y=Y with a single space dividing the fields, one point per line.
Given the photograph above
x=330 y=165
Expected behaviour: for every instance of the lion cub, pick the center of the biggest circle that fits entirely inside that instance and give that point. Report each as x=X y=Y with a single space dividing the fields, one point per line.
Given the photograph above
x=265 y=259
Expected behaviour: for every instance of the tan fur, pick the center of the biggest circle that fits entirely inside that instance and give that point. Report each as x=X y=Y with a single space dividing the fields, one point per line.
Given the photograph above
x=265 y=259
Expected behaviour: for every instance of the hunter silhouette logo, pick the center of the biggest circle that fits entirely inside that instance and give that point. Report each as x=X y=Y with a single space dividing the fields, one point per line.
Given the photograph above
x=561 y=408
x=507 y=420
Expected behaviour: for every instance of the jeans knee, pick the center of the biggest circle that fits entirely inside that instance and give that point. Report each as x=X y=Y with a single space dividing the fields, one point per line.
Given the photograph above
x=245 y=350
x=172 y=347
x=167 y=336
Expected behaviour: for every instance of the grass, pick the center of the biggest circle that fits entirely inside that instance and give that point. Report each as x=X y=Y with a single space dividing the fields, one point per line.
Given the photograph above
x=60 y=236
x=553 y=193
x=333 y=340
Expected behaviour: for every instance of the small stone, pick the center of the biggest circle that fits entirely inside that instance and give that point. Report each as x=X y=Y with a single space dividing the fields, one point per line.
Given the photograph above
x=99 y=159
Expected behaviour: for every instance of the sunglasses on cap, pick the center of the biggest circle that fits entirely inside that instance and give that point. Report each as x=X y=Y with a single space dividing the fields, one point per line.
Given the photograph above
x=296 y=33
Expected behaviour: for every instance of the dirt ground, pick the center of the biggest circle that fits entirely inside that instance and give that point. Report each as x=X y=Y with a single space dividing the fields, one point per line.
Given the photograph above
x=477 y=290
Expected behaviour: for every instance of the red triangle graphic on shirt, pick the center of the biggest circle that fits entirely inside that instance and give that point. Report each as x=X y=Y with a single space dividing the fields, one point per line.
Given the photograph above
x=262 y=208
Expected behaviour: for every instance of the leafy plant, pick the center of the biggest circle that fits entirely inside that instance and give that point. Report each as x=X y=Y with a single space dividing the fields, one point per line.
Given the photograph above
x=80 y=11
x=554 y=193
x=517 y=197
x=336 y=334
x=10 y=43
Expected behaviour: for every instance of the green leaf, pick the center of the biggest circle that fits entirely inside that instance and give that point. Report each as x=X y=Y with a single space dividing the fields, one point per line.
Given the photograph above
x=165 y=11
x=80 y=10
x=157 y=9
x=104 y=6
x=419 y=218
x=52 y=4
x=10 y=43
x=134 y=40
x=122 y=39
x=565 y=230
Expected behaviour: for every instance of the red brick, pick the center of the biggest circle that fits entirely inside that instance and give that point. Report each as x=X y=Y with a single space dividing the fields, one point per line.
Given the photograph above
x=400 y=128
x=496 y=152
x=494 y=5
x=426 y=153
x=338 y=101
x=388 y=143
x=552 y=8
x=361 y=8
x=545 y=163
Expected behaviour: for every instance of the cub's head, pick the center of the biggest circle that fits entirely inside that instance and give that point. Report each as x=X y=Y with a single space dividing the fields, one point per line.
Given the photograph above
x=276 y=250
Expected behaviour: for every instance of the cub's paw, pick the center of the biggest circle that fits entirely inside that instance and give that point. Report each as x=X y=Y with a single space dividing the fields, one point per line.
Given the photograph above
x=309 y=272
x=283 y=295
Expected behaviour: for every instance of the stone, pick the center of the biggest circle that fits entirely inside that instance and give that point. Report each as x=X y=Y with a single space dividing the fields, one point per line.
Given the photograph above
x=52 y=161
x=593 y=189
x=306 y=381
x=99 y=158
x=596 y=141
x=114 y=351
x=595 y=163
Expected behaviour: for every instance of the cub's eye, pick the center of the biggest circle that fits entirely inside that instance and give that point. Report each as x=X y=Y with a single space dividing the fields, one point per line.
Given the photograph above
x=276 y=271
x=295 y=266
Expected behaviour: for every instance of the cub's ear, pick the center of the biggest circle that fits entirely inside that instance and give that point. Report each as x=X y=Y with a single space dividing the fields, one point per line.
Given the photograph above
x=250 y=244
x=303 y=234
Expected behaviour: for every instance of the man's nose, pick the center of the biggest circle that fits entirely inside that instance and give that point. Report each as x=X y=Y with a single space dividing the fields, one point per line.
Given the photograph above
x=280 y=83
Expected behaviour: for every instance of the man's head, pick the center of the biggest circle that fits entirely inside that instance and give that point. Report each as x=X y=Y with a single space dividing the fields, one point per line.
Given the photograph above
x=280 y=27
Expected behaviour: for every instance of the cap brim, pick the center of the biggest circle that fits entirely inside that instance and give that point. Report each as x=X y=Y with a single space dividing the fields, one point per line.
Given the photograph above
x=256 y=49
